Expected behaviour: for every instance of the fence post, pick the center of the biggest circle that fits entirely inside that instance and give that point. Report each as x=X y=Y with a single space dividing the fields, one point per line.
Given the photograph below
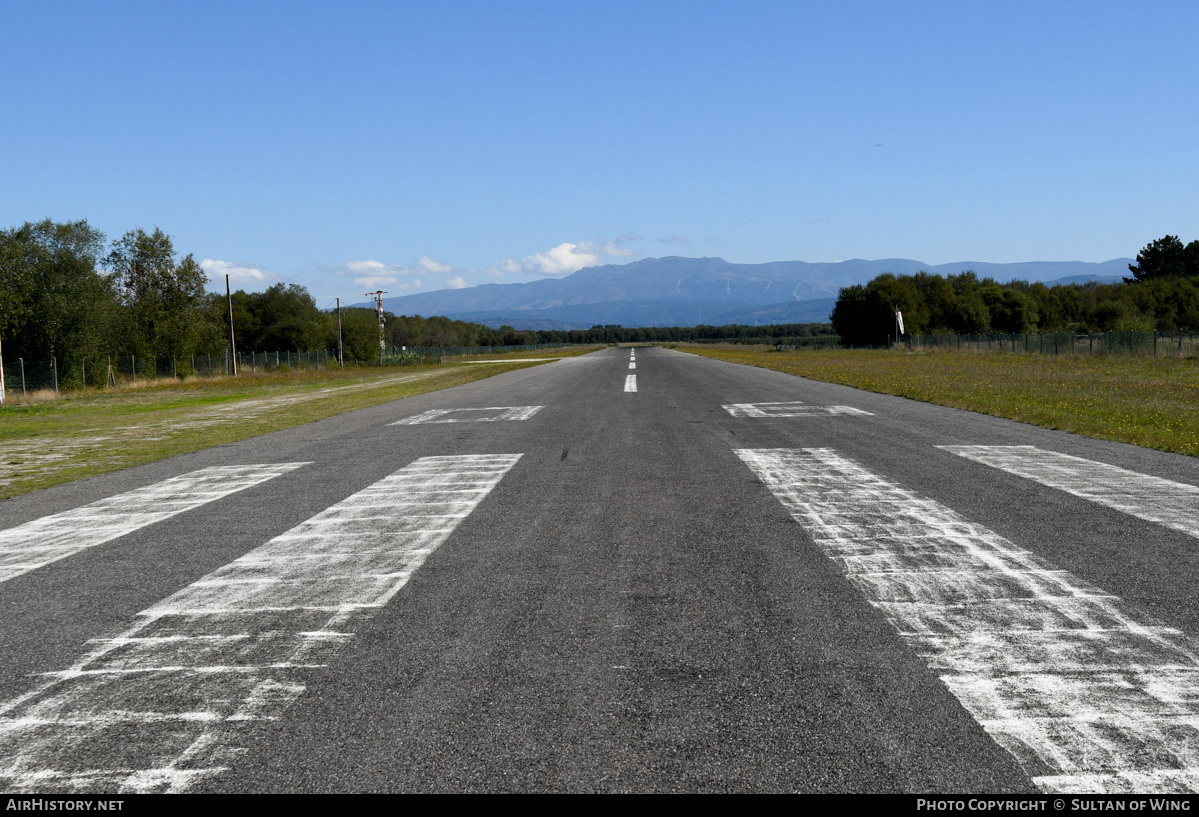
x=23 y=392
x=54 y=368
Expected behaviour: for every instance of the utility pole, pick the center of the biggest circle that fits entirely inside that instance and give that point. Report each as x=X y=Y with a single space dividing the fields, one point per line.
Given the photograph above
x=340 y=359
x=379 y=309
x=232 y=340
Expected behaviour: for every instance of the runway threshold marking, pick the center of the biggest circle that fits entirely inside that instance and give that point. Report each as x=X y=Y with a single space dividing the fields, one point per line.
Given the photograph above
x=794 y=408
x=630 y=383
x=1169 y=503
x=162 y=705
x=50 y=538
x=471 y=415
x=1061 y=674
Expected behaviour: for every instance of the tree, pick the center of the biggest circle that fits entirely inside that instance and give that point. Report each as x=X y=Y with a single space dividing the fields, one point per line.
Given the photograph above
x=865 y=316
x=164 y=300
x=1165 y=258
x=1010 y=310
x=16 y=283
x=290 y=320
x=360 y=334
x=53 y=301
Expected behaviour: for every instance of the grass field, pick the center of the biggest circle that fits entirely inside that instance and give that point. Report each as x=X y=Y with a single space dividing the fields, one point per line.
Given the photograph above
x=1144 y=401
x=46 y=440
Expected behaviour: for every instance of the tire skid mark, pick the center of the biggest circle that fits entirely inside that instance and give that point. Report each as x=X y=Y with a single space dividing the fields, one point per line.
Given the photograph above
x=1084 y=695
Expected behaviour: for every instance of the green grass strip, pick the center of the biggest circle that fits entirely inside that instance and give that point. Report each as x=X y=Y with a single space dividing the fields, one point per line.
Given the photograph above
x=1149 y=402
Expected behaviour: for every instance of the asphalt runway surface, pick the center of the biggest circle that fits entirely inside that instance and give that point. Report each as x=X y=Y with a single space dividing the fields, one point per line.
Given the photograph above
x=627 y=571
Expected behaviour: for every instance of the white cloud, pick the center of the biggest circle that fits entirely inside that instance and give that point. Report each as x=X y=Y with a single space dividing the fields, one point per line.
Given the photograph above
x=567 y=257
x=429 y=265
x=376 y=281
x=378 y=268
x=561 y=260
x=371 y=274
x=370 y=267
x=388 y=283
x=366 y=266
x=216 y=270
x=499 y=269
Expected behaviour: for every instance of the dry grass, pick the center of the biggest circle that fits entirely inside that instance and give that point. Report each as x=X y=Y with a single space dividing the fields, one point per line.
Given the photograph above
x=1144 y=401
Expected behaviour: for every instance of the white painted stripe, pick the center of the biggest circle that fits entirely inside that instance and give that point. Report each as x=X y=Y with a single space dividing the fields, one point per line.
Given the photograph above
x=632 y=365
x=1173 y=504
x=792 y=409
x=1085 y=695
x=630 y=383
x=42 y=541
x=155 y=708
x=471 y=415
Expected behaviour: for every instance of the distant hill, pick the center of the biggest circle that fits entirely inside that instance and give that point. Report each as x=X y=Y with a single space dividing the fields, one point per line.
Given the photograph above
x=679 y=291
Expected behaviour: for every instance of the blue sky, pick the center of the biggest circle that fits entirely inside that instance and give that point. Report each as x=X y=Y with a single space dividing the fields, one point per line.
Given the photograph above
x=414 y=146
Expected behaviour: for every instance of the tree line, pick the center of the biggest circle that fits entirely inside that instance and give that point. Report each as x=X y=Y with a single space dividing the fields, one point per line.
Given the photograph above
x=1161 y=294
x=68 y=293
x=613 y=333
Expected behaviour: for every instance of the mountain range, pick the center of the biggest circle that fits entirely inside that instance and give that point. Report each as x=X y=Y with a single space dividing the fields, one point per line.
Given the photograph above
x=678 y=291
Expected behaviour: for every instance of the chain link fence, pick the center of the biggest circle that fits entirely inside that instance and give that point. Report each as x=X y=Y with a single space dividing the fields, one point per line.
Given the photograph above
x=815 y=342
x=1143 y=344
x=23 y=377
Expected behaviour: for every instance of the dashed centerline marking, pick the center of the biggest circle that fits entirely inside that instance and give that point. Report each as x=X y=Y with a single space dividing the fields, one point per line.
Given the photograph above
x=42 y=541
x=1169 y=503
x=792 y=409
x=156 y=708
x=1086 y=695
x=632 y=365
x=471 y=415
x=630 y=383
